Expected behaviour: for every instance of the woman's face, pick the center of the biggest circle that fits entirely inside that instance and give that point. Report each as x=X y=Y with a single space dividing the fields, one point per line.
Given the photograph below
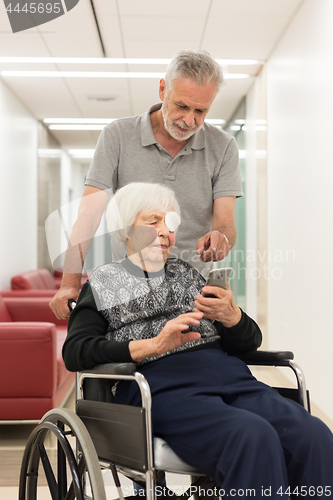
x=153 y=253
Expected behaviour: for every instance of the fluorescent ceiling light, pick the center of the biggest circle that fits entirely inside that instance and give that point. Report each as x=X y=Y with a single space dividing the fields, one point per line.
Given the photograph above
x=215 y=121
x=96 y=124
x=76 y=127
x=82 y=74
x=81 y=153
x=102 y=74
x=120 y=60
x=105 y=121
x=79 y=120
x=259 y=128
x=49 y=153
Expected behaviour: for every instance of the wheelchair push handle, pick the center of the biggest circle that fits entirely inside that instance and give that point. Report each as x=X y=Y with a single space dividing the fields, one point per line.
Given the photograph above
x=71 y=304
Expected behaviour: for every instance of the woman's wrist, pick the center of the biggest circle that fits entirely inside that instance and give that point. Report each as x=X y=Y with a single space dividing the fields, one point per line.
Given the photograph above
x=141 y=349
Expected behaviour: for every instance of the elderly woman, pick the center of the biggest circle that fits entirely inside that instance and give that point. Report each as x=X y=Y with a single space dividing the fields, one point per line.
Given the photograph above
x=151 y=309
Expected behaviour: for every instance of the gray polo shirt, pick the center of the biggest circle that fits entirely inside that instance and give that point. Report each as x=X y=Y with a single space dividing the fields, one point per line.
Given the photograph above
x=206 y=168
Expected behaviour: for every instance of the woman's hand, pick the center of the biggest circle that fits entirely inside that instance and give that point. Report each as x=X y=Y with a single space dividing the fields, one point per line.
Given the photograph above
x=169 y=338
x=222 y=308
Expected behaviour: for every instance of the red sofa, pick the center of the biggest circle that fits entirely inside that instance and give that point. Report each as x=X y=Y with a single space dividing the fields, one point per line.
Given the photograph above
x=38 y=278
x=33 y=377
x=36 y=283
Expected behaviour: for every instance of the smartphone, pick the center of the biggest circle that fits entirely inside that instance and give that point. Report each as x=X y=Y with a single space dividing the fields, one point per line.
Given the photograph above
x=218 y=277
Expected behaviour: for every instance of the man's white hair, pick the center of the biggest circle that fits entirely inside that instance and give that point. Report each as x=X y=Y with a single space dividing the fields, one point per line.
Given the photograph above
x=198 y=66
x=130 y=201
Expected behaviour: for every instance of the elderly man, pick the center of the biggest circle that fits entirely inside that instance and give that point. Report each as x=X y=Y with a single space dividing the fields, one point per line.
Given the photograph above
x=170 y=144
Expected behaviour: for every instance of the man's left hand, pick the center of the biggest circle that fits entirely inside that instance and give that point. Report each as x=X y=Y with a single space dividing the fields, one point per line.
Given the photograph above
x=213 y=246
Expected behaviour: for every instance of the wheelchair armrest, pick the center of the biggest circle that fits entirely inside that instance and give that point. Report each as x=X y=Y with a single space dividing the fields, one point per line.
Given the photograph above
x=279 y=358
x=113 y=369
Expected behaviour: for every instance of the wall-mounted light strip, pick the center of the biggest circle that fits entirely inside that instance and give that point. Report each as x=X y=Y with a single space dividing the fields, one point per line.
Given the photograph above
x=119 y=60
x=102 y=74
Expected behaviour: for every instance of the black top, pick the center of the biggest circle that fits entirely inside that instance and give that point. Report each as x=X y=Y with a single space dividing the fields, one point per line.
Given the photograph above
x=120 y=303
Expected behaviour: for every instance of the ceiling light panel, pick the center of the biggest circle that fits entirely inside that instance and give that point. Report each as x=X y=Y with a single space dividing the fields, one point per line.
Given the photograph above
x=79 y=120
x=96 y=123
x=102 y=74
x=76 y=127
x=116 y=60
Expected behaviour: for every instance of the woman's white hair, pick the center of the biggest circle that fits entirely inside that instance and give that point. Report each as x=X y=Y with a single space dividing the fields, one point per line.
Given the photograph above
x=198 y=66
x=131 y=200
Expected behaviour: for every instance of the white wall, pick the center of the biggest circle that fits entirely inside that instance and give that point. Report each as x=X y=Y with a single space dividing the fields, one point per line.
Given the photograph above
x=250 y=201
x=300 y=201
x=18 y=188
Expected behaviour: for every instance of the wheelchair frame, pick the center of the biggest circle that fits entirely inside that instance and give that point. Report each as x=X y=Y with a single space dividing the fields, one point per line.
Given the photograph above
x=93 y=451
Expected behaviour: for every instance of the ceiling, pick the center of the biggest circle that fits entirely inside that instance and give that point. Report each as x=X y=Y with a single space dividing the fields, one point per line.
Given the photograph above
x=228 y=29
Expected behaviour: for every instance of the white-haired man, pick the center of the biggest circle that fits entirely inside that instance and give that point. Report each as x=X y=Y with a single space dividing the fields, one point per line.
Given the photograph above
x=170 y=144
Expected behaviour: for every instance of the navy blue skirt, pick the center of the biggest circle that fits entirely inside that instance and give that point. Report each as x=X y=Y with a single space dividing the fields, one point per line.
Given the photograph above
x=240 y=432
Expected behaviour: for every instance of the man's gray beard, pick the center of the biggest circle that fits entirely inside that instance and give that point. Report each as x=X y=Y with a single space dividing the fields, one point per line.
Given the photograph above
x=174 y=133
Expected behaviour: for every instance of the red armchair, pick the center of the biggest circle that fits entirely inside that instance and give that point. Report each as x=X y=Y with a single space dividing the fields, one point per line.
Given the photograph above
x=32 y=373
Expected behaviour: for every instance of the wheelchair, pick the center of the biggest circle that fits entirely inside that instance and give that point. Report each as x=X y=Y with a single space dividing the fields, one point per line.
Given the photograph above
x=103 y=435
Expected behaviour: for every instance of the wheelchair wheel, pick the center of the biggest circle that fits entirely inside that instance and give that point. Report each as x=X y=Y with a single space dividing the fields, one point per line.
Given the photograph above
x=72 y=472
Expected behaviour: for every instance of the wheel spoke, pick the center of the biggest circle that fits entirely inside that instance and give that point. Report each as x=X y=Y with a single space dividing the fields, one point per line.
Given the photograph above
x=49 y=474
x=62 y=472
x=82 y=468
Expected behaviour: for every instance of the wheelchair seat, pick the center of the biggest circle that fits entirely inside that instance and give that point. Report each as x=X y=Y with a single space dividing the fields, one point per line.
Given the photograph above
x=167 y=460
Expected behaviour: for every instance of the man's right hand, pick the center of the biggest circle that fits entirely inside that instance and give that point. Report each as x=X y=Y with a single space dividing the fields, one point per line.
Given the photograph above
x=59 y=303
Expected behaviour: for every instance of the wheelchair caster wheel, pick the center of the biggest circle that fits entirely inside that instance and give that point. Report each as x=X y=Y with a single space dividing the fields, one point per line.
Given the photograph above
x=72 y=470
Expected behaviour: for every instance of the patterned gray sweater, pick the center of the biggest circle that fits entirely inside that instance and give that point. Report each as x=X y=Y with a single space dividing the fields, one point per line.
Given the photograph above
x=137 y=305
x=121 y=302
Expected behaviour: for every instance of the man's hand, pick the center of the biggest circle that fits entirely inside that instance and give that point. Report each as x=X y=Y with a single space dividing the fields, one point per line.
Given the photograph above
x=213 y=246
x=222 y=308
x=169 y=338
x=59 y=303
